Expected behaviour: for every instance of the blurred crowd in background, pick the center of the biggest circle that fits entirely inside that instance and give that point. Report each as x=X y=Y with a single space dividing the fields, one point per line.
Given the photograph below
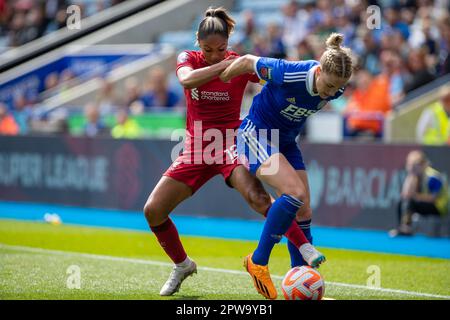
x=409 y=50
x=22 y=21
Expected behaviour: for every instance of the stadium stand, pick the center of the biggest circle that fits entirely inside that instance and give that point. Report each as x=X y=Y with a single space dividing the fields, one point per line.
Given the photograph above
x=128 y=30
x=409 y=52
x=26 y=20
x=15 y=56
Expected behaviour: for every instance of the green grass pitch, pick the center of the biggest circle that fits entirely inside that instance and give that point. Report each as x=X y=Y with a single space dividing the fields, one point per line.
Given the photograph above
x=36 y=260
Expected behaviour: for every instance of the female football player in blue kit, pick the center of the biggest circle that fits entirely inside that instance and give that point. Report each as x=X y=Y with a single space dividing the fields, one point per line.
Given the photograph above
x=293 y=91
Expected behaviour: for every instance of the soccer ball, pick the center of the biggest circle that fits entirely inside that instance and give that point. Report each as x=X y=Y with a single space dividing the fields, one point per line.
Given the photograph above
x=303 y=283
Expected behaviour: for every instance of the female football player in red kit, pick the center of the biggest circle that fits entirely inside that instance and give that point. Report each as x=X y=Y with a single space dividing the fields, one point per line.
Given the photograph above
x=212 y=106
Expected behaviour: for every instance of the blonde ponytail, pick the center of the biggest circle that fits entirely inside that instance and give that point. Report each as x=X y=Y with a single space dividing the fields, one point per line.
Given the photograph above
x=335 y=41
x=336 y=59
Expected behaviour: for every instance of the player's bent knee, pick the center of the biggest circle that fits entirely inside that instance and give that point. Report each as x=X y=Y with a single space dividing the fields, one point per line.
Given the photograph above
x=148 y=211
x=153 y=215
x=259 y=201
x=305 y=213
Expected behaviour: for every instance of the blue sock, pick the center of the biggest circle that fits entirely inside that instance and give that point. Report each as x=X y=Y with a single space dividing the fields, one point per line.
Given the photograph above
x=279 y=218
x=296 y=258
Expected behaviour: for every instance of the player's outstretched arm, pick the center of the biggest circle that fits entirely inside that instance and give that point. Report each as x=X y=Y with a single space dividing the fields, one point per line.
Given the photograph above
x=244 y=64
x=190 y=78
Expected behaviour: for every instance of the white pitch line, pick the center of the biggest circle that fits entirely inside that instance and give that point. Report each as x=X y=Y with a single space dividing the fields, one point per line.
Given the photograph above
x=228 y=271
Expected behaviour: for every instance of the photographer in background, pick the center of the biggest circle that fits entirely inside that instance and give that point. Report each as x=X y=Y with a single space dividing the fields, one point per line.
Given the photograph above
x=424 y=192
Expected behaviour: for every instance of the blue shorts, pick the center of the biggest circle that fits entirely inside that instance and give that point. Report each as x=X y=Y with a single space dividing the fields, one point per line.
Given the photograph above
x=256 y=145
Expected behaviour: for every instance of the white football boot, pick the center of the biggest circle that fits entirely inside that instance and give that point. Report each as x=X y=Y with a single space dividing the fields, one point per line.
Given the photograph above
x=310 y=254
x=179 y=273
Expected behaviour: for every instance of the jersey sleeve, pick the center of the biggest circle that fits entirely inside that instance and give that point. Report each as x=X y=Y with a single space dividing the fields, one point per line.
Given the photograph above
x=185 y=59
x=281 y=71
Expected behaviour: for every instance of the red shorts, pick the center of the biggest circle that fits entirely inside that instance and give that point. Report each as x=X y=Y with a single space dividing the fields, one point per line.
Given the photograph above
x=196 y=173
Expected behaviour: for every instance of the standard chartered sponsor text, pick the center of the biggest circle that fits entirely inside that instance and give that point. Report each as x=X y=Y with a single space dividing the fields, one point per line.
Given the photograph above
x=215 y=95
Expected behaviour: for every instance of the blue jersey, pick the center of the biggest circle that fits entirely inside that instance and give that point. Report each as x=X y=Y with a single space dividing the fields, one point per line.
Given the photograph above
x=287 y=99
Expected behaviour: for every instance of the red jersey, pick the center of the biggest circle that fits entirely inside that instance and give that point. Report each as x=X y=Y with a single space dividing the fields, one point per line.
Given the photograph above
x=216 y=104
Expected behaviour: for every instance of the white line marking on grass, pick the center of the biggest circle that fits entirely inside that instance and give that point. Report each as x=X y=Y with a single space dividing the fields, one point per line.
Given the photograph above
x=228 y=271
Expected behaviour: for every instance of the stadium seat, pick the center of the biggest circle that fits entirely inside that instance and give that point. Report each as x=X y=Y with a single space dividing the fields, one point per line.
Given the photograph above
x=262 y=19
x=261 y=6
x=184 y=39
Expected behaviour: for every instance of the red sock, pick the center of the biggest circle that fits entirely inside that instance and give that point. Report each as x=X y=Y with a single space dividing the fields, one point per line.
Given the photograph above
x=294 y=234
x=169 y=240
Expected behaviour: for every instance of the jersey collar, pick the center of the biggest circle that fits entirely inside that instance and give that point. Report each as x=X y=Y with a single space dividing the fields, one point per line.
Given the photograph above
x=310 y=81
